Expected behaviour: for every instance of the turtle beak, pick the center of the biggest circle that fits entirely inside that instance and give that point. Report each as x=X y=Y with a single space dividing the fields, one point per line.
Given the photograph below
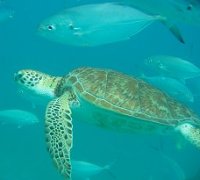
x=17 y=76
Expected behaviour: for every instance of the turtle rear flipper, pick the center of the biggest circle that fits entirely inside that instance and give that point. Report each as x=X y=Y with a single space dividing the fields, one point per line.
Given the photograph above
x=191 y=133
x=59 y=134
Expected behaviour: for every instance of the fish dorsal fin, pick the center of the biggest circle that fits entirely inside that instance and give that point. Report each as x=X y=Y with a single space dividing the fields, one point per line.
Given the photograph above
x=172 y=28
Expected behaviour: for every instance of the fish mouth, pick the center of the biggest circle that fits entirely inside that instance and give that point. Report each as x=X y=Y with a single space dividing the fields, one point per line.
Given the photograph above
x=41 y=27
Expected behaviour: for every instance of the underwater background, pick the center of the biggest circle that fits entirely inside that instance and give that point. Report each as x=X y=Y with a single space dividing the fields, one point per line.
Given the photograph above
x=23 y=154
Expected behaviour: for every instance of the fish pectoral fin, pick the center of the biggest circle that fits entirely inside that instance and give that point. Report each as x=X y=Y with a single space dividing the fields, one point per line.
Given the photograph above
x=58 y=126
x=76 y=30
x=173 y=29
x=162 y=66
x=78 y=34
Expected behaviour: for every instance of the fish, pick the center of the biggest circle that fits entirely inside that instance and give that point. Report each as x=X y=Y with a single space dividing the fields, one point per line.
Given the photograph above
x=173 y=169
x=18 y=117
x=176 y=11
x=172 y=66
x=35 y=101
x=172 y=87
x=6 y=14
x=89 y=25
x=156 y=164
x=85 y=170
x=195 y=177
x=195 y=88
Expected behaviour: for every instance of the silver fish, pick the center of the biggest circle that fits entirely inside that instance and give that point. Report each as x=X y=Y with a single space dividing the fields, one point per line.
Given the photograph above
x=18 y=117
x=172 y=169
x=195 y=177
x=171 y=66
x=172 y=87
x=97 y=24
x=5 y=14
x=184 y=11
x=85 y=170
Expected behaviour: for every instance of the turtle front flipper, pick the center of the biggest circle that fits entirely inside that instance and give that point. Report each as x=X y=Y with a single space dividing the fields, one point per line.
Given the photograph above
x=58 y=125
x=191 y=133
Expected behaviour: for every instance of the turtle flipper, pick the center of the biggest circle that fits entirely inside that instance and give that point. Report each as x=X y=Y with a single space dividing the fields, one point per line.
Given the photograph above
x=59 y=134
x=191 y=133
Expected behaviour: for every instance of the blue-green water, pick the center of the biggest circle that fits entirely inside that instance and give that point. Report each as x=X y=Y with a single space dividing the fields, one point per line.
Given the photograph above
x=23 y=154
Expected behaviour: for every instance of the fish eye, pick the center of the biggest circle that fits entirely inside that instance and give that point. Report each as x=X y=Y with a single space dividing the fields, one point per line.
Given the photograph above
x=71 y=27
x=189 y=7
x=51 y=27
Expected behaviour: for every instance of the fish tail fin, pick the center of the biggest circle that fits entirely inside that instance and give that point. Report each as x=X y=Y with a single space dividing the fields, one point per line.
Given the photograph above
x=172 y=28
x=107 y=169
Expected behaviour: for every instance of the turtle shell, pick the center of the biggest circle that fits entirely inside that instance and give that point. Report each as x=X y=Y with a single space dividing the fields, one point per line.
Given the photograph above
x=127 y=96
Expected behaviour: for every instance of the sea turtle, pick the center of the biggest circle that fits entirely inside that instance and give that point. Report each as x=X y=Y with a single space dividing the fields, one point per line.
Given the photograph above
x=108 y=99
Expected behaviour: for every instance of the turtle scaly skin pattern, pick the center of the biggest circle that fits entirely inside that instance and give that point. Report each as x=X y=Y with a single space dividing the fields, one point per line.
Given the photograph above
x=108 y=99
x=58 y=127
x=125 y=95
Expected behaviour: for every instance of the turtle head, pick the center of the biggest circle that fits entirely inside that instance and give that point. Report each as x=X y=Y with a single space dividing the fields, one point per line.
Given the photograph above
x=36 y=82
x=191 y=133
x=185 y=128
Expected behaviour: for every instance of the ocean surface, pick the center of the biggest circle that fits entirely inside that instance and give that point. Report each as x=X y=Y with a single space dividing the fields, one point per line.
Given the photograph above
x=23 y=154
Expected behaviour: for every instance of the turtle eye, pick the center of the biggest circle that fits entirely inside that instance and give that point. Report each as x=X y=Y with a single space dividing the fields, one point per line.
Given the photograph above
x=18 y=76
x=185 y=126
x=51 y=27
